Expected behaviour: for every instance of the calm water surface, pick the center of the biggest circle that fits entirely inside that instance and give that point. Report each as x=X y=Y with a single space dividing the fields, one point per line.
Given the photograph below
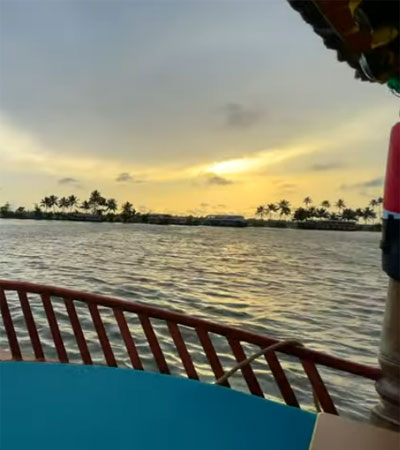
x=323 y=288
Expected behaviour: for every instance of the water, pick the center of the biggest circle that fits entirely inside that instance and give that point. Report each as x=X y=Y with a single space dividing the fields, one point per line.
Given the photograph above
x=323 y=288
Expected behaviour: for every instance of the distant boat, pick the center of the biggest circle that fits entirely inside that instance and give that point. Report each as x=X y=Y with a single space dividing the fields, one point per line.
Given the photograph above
x=225 y=221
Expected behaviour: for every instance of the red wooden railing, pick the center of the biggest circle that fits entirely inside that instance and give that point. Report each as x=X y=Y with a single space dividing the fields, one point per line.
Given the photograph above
x=113 y=326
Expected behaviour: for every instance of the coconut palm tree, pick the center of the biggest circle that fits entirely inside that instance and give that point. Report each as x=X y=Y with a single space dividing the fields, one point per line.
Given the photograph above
x=85 y=205
x=322 y=213
x=19 y=212
x=307 y=201
x=368 y=214
x=326 y=204
x=96 y=200
x=312 y=212
x=340 y=205
x=373 y=203
x=359 y=213
x=260 y=211
x=53 y=201
x=111 y=205
x=45 y=202
x=63 y=203
x=127 y=211
x=6 y=208
x=349 y=214
x=284 y=208
x=379 y=201
x=72 y=201
x=272 y=208
x=301 y=214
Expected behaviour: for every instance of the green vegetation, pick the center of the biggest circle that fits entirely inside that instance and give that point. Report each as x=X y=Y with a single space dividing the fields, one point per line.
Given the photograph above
x=315 y=213
x=95 y=208
x=98 y=208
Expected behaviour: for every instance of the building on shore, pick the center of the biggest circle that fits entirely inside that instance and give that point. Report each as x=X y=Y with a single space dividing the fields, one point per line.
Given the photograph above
x=225 y=220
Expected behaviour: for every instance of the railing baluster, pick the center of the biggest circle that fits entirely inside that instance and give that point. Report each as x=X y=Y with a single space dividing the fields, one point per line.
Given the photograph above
x=77 y=329
x=211 y=354
x=320 y=390
x=30 y=323
x=55 y=330
x=154 y=344
x=9 y=326
x=182 y=350
x=310 y=359
x=101 y=333
x=281 y=380
x=247 y=371
x=128 y=339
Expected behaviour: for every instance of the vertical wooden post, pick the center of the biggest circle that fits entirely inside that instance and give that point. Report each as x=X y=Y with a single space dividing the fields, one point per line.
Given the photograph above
x=387 y=413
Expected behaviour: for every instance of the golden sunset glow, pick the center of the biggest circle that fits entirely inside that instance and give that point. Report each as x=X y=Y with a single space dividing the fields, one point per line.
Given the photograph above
x=232 y=166
x=216 y=121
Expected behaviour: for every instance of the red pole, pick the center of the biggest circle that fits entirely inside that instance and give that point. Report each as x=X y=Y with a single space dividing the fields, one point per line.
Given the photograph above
x=387 y=413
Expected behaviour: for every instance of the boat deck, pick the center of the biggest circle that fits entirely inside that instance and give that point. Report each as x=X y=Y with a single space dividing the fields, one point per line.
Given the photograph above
x=61 y=406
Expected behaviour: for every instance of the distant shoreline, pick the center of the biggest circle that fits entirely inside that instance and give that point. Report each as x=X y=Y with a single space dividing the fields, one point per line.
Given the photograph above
x=165 y=219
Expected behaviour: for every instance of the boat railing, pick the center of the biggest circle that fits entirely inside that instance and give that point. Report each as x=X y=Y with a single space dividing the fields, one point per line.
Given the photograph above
x=40 y=320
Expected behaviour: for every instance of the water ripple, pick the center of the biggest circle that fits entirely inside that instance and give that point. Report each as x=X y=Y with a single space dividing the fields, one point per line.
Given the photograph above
x=324 y=288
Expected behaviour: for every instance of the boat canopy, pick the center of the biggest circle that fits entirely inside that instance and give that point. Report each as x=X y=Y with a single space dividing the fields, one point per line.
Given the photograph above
x=364 y=33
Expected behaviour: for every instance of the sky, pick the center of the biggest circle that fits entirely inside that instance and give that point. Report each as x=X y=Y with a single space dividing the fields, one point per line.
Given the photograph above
x=187 y=107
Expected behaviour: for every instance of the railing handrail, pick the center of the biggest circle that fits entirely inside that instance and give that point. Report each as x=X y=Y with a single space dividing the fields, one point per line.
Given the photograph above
x=319 y=358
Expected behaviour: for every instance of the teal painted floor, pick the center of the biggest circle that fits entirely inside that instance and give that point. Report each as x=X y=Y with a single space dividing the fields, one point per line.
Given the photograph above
x=55 y=406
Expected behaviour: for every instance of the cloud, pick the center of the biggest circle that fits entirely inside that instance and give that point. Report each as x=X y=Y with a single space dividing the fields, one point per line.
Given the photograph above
x=204 y=205
x=67 y=180
x=323 y=167
x=287 y=186
x=238 y=116
x=221 y=205
x=127 y=177
x=374 y=182
x=217 y=180
x=124 y=176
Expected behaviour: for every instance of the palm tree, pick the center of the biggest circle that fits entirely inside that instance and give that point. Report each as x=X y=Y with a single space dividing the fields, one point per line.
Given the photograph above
x=326 y=204
x=349 y=214
x=368 y=214
x=301 y=214
x=284 y=208
x=95 y=196
x=96 y=200
x=5 y=209
x=312 y=212
x=340 y=205
x=322 y=213
x=127 y=211
x=72 y=201
x=63 y=203
x=307 y=201
x=379 y=201
x=373 y=203
x=111 y=205
x=85 y=205
x=53 y=201
x=260 y=211
x=20 y=211
x=359 y=213
x=45 y=202
x=272 y=208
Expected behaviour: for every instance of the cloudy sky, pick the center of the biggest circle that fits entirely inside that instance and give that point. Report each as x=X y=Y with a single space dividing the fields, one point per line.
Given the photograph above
x=182 y=106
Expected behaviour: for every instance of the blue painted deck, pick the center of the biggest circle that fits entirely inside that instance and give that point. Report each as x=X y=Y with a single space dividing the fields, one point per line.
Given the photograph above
x=55 y=406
